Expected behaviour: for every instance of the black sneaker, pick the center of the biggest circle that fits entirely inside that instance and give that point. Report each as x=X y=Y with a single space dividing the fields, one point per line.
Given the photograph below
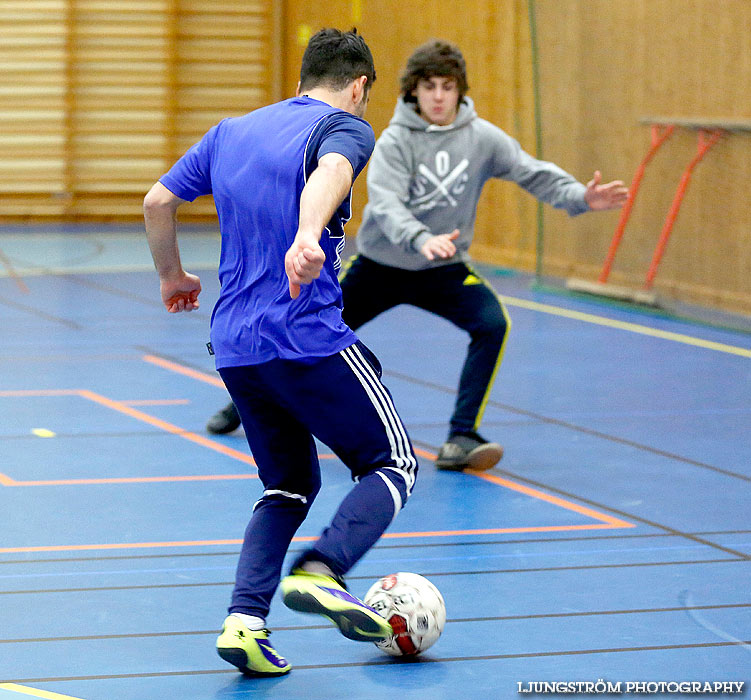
x=224 y=421
x=468 y=451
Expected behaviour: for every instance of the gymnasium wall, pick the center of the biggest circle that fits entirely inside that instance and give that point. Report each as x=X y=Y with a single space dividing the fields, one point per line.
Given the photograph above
x=606 y=67
x=100 y=96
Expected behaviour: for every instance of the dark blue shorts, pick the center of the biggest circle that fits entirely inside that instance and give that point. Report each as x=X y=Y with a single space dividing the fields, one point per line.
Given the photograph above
x=339 y=399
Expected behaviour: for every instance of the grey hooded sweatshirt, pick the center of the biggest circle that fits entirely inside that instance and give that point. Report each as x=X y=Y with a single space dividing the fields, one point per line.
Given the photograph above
x=426 y=180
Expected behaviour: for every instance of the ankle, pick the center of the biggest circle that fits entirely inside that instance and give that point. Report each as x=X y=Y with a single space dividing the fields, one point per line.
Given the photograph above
x=252 y=622
x=317 y=567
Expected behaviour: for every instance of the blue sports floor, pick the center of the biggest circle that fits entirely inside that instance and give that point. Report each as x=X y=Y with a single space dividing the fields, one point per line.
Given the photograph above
x=612 y=542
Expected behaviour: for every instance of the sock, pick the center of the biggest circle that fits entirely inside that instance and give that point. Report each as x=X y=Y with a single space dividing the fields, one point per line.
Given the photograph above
x=317 y=567
x=253 y=623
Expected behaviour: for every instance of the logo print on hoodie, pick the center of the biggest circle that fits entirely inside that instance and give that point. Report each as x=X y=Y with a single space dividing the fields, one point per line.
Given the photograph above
x=438 y=189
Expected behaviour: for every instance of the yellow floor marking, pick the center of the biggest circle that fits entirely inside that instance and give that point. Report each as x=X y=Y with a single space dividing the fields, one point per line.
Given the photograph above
x=624 y=326
x=43 y=433
x=13 y=687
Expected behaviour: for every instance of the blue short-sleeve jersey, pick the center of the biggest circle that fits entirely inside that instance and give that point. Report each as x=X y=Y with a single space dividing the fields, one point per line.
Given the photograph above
x=256 y=167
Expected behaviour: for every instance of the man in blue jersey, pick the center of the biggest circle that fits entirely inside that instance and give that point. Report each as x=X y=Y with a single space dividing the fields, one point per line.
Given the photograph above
x=281 y=178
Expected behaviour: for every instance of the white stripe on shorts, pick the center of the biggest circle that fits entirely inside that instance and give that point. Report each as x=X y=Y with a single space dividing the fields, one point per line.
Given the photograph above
x=379 y=397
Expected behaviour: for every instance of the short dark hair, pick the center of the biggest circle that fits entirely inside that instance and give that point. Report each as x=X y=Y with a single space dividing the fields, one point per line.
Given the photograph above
x=434 y=59
x=334 y=58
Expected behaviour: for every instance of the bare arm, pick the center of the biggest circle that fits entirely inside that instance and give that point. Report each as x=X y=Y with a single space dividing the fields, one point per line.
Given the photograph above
x=179 y=289
x=325 y=190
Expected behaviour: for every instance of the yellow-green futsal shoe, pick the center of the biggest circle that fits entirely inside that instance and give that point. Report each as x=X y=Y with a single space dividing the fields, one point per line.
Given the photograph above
x=316 y=593
x=249 y=650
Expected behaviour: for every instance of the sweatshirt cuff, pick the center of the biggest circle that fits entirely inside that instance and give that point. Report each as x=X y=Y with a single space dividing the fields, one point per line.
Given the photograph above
x=579 y=205
x=419 y=240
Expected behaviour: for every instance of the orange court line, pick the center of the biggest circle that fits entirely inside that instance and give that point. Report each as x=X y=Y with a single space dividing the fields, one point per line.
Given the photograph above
x=157 y=402
x=5 y=480
x=423 y=453
x=609 y=520
x=138 y=415
x=603 y=521
x=40 y=392
x=187 y=371
x=219 y=543
x=126 y=408
x=164 y=425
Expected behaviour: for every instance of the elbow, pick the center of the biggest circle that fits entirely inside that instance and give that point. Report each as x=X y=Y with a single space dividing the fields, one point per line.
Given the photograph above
x=337 y=169
x=150 y=203
x=157 y=199
x=341 y=173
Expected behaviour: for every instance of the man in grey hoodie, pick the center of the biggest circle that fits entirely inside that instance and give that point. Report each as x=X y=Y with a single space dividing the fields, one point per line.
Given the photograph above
x=424 y=182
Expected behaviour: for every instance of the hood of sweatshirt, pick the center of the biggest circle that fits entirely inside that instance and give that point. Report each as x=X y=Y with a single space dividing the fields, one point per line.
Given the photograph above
x=405 y=115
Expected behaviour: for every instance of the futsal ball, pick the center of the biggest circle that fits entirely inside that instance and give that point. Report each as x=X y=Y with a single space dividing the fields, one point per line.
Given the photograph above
x=415 y=609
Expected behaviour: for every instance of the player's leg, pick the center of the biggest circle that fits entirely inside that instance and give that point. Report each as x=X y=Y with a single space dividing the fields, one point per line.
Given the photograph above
x=355 y=416
x=225 y=420
x=288 y=469
x=368 y=289
x=458 y=294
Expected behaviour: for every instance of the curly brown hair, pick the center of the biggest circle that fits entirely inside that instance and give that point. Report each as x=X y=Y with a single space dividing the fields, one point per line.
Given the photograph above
x=435 y=58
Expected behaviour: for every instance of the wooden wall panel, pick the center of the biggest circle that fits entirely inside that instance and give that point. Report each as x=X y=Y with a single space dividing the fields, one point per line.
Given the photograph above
x=99 y=97
x=223 y=68
x=33 y=108
x=653 y=58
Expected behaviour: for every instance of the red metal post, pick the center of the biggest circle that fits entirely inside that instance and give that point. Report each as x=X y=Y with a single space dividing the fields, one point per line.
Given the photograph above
x=706 y=140
x=659 y=136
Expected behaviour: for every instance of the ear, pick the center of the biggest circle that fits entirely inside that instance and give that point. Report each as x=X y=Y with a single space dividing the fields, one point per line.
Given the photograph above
x=297 y=89
x=358 y=89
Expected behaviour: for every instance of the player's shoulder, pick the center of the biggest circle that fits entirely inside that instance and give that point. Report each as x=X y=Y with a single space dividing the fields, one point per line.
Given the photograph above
x=340 y=118
x=395 y=135
x=488 y=127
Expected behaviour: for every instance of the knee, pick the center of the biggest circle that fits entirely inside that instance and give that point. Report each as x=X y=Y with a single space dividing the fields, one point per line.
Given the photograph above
x=399 y=483
x=295 y=499
x=491 y=323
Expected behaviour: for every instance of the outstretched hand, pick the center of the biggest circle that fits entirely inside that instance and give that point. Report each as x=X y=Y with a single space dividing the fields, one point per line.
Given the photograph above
x=303 y=262
x=612 y=195
x=441 y=246
x=181 y=294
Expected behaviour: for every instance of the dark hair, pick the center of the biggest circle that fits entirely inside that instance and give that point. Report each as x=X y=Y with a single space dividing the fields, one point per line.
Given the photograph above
x=334 y=59
x=436 y=58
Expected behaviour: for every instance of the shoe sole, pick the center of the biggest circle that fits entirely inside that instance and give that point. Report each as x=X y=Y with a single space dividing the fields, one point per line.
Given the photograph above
x=480 y=459
x=238 y=657
x=353 y=623
x=222 y=430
